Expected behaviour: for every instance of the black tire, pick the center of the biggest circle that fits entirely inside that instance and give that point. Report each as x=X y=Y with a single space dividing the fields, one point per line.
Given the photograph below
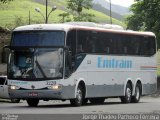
x=32 y=102
x=137 y=96
x=97 y=100
x=85 y=101
x=128 y=94
x=79 y=97
x=15 y=100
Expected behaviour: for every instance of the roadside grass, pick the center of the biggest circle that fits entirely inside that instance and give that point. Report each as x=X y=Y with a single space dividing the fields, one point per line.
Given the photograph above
x=17 y=12
x=10 y=12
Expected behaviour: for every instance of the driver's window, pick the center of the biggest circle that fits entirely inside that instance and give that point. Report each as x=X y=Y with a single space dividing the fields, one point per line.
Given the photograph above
x=70 y=53
x=6 y=83
x=2 y=80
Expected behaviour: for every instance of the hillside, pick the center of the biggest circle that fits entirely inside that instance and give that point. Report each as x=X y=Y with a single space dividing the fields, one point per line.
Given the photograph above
x=102 y=9
x=96 y=6
x=115 y=8
x=17 y=12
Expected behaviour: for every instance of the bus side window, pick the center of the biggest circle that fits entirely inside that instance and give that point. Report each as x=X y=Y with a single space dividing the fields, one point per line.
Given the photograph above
x=91 y=46
x=107 y=50
x=149 y=46
x=125 y=49
x=71 y=52
x=82 y=38
x=152 y=46
x=71 y=41
x=79 y=49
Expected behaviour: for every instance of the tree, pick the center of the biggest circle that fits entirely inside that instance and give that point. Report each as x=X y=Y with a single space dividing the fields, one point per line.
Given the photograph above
x=145 y=17
x=5 y=1
x=78 y=5
x=65 y=17
x=84 y=17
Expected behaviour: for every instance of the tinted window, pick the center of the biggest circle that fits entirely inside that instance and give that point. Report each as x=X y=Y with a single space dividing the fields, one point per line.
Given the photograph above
x=114 y=43
x=70 y=56
x=38 y=38
x=2 y=80
x=107 y=42
x=71 y=41
x=148 y=46
x=87 y=41
x=82 y=41
x=130 y=44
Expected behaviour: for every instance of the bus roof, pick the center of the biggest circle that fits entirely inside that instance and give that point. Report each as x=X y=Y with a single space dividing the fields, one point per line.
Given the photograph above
x=77 y=25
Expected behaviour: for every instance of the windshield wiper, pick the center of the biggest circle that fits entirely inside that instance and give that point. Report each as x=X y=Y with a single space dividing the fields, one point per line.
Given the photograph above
x=40 y=68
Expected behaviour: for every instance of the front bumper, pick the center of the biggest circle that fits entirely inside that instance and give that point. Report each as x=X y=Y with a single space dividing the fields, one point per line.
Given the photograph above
x=67 y=92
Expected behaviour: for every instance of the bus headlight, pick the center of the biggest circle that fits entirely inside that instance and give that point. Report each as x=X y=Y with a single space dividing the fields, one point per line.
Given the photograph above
x=55 y=87
x=13 y=87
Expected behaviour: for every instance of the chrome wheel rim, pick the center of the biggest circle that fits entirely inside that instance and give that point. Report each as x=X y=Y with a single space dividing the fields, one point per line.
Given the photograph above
x=79 y=95
x=137 y=92
x=129 y=93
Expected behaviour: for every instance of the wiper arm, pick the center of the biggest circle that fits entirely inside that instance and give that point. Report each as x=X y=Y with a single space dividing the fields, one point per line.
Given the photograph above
x=40 y=68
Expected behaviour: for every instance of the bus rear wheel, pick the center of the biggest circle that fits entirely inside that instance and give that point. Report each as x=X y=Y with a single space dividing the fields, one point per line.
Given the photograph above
x=79 y=97
x=32 y=102
x=85 y=101
x=137 y=96
x=128 y=94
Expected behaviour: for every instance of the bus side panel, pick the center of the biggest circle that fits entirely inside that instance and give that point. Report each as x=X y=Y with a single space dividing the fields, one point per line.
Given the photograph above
x=107 y=76
x=149 y=89
x=70 y=84
x=151 y=85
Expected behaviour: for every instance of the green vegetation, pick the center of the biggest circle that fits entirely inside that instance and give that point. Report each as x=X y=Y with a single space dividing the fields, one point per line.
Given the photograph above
x=77 y=7
x=16 y=13
x=145 y=17
x=5 y=1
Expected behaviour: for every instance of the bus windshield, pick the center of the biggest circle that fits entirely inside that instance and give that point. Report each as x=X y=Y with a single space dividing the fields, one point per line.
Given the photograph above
x=36 y=55
x=32 y=63
x=38 y=38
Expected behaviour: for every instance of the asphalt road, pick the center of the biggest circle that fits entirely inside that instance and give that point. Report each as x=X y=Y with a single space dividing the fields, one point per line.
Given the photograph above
x=57 y=110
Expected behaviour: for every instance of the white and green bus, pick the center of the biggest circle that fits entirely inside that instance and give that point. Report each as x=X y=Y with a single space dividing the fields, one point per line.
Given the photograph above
x=80 y=63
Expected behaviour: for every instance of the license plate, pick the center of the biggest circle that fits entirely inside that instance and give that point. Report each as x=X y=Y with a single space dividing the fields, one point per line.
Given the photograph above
x=33 y=94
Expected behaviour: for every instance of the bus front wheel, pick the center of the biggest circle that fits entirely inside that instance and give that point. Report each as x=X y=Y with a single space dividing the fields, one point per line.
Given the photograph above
x=79 y=97
x=32 y=102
